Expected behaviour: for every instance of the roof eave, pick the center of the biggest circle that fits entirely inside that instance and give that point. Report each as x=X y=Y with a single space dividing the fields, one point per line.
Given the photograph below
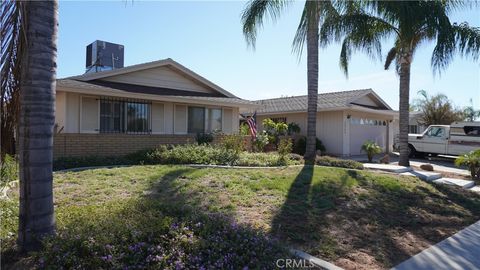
x=154 y=64
x=176 y=99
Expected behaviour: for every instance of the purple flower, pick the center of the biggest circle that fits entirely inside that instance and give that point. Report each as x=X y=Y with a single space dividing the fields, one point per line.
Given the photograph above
x=107 y=258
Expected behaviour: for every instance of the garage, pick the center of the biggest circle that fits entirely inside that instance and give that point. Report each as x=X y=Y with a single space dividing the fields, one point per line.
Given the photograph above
x=363 y=129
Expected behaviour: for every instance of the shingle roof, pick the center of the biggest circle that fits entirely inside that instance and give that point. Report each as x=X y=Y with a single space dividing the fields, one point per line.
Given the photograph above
x=299 y=103
x=157 y=91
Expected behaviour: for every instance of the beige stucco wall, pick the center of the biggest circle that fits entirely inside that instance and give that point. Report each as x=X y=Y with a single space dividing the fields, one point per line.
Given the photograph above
x=78 y=113
x=334 y=129
x=60 y=110
x=161 y=77
x=330 y=131
x=329 y=128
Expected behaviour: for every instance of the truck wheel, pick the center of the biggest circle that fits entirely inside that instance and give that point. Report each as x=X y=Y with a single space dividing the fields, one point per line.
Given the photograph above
x=411 y=151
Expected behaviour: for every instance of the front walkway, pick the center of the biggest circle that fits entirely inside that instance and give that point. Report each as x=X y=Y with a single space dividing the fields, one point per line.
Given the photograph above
x=460 y=251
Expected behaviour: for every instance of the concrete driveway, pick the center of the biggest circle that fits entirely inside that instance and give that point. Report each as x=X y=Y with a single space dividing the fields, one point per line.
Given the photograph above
x=440 y=163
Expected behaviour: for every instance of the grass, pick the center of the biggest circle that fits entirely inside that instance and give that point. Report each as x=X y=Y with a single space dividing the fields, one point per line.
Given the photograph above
x=355 y=219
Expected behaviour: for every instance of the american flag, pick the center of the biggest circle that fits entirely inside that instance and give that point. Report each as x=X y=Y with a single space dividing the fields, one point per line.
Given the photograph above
x=251 y=122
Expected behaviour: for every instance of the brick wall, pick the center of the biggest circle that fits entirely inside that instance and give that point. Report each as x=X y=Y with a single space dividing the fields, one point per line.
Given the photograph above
x=81 y=145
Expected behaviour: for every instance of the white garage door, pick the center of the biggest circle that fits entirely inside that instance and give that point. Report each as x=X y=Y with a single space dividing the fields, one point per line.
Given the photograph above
x=361 y=131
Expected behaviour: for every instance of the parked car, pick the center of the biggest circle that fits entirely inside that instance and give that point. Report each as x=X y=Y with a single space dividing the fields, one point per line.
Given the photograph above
x=456 y=139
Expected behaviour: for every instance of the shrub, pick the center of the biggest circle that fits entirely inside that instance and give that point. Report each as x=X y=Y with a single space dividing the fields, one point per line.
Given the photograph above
x=260 y=141
x=264 y=160
x=293 y=128
x=472 y=161
x=284 y=148
x=233 y=142
x=300 y=146
x=229 y=152
x=274 y=130
x=371 y=148
x=335 y=162
x=244 y=129
x=89 y=161
x=8 y=170
x=296 y=157
x=204 y=138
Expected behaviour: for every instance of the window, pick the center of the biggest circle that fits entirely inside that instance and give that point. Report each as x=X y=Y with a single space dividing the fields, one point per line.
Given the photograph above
x=121 y=116
x=436 y=132
x=367 y=122
x=279 y=119
x=202 y=120
x=472 y=130
x=138 y=117
x=213 y=120
x=412 y=129
x=196 y=120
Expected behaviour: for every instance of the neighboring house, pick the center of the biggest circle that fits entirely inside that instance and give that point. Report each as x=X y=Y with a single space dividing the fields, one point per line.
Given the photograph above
x=345 y=120
x=414 y=125
x=123 y=110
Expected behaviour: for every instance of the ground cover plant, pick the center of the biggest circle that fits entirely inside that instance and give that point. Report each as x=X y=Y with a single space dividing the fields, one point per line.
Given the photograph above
x=355 y=219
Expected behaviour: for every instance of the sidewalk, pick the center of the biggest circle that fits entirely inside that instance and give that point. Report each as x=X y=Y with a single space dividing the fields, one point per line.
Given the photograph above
x=460 y=251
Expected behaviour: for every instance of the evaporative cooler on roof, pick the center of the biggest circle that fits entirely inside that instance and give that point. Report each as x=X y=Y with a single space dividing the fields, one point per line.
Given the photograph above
x=102 y=55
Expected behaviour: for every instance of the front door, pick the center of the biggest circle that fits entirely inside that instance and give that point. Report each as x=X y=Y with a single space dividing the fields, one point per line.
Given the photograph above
x=434 y=140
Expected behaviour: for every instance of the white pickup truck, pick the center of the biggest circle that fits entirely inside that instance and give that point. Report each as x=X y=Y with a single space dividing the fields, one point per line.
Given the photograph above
x=456 y=139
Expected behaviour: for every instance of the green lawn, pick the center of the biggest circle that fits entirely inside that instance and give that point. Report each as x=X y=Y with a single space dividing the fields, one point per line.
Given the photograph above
x=355 y=219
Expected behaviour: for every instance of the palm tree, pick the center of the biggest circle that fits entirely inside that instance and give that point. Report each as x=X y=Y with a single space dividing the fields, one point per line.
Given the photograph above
x=470 y=114
x=409 y=23
x=313 y=14
x=35 y=52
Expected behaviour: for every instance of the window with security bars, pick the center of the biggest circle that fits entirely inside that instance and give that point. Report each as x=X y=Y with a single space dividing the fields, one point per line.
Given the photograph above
x=279 y=119
x=125 y=116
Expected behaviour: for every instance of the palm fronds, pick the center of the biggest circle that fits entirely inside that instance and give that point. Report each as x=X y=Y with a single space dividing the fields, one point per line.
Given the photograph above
x=254 y=14
x=11 y=49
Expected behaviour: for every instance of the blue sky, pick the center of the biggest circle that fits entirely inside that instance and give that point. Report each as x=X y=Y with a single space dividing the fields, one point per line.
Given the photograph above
x=207 y=38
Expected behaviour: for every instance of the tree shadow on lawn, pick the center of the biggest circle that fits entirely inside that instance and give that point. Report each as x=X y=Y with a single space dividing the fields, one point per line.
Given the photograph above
x=368 y=220
x=169 y=224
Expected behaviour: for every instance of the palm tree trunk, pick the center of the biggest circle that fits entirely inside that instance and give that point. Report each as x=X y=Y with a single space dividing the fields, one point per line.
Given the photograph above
x=37 y=118
x=404 y=105
x=312 y=77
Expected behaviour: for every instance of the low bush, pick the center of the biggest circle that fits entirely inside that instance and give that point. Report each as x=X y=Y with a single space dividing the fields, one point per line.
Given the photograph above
x=335 y=162
x=260 y=141
x=300 y=146
x=284 y=149
x=233 y=142
x=371 y=148
x=153 y=240
x=204 y=138
x=89 y=161
x=264 y=160
x=472 y=161
x=228 y=153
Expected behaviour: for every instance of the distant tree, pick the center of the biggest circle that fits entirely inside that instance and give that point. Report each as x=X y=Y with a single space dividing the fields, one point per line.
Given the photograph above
x=470 y=114
x=436 y=110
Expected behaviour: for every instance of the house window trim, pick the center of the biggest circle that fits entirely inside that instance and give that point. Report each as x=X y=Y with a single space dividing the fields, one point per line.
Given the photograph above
x=97 y=130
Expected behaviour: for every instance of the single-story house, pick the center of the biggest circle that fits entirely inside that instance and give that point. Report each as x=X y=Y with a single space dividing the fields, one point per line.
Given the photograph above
x=345 y=120
x=119 y=111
